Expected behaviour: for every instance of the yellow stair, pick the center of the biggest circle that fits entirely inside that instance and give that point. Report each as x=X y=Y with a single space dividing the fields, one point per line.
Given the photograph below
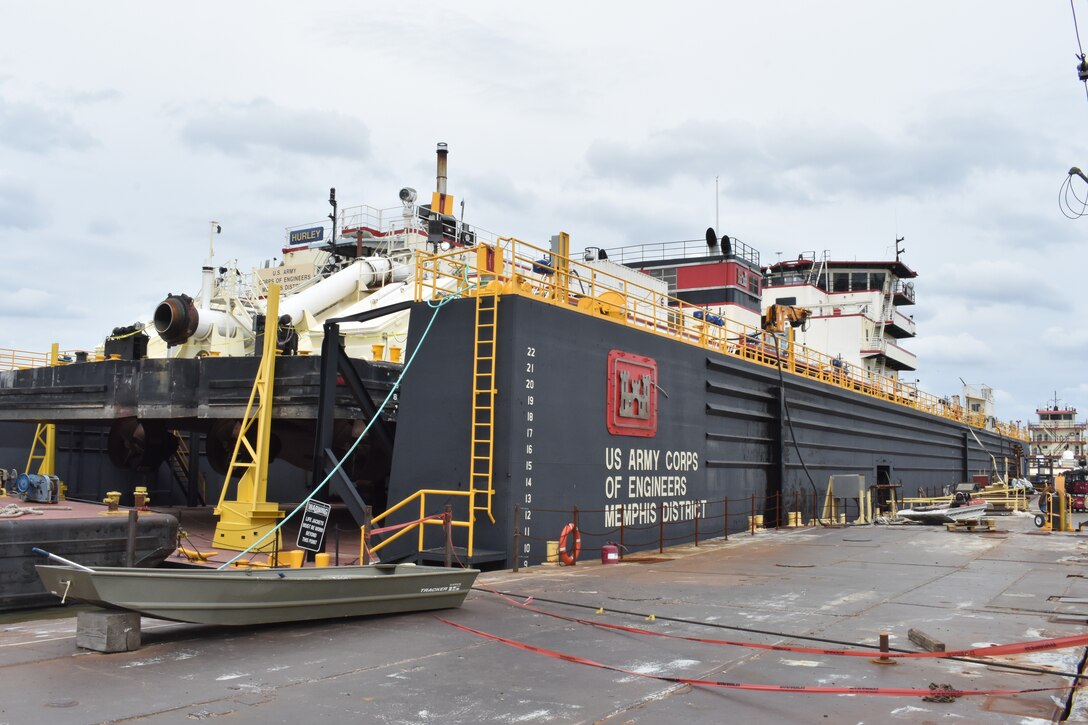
x=483 y=404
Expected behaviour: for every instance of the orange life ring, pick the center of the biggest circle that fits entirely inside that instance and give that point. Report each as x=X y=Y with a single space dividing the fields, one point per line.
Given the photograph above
x=572 y=557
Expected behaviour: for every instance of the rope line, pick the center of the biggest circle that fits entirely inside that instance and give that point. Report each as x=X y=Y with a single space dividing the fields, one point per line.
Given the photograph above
x=752 y=630
x=800 y=689
x=1076 y=640
x=437 y=307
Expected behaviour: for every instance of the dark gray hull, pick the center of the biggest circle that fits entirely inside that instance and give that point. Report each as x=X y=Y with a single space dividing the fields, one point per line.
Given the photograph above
x=724 y=446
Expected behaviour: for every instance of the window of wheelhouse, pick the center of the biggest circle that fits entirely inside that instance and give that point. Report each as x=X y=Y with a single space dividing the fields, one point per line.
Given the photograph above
x=665 y=274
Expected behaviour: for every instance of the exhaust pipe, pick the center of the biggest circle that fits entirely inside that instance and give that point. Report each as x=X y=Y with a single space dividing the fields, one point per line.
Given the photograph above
x=443 y=152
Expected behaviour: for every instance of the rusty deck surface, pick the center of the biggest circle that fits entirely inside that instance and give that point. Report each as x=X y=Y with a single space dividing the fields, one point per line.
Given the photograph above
x=838 y=585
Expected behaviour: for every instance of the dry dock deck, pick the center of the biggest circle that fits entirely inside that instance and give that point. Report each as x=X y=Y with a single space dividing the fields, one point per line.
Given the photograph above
x=848 y=584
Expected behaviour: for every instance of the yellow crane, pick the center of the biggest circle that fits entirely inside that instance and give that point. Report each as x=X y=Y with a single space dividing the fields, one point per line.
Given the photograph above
x=776 y=317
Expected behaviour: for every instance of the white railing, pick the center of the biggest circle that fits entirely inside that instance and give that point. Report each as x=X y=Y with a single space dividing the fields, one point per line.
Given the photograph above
x=902 y=322
x=684 y=249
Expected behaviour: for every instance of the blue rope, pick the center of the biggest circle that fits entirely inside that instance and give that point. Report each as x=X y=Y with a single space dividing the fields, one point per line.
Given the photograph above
x=436 y=306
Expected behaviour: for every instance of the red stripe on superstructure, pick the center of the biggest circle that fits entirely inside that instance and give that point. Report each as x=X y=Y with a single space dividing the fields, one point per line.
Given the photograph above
x=706 y=276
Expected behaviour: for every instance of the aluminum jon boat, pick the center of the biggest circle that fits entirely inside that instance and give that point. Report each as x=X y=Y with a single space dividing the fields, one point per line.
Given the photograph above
x=264 y=596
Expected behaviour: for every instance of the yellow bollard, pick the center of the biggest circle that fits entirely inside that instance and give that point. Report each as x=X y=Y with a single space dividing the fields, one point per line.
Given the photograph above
x=293 y=558
x=378 y=351
x=112 y=500
x=394 y=354
x=552 y=555
x=322 y=559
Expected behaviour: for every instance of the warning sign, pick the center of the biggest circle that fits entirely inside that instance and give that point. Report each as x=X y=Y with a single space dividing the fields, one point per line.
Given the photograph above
x=312 y=529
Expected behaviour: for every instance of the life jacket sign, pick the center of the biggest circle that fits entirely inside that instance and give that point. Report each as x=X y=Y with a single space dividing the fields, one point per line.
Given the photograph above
x=632 y=395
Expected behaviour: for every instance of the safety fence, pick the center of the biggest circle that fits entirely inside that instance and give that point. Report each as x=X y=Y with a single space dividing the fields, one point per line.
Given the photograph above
x=668 y=523
x=11 y=359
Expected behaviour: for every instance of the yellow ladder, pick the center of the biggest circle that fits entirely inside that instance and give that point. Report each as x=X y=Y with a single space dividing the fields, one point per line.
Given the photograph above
x=483 y=404
x=181 y=455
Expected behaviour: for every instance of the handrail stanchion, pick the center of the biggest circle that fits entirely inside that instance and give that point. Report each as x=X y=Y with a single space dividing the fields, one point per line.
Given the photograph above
x=447 y=518
x=367 y=525
x=725 y=517
x=660 y=527
x=577 y=531
x=622 y=523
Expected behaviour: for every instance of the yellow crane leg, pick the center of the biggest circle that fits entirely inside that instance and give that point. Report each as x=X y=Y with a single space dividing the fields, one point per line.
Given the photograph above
x=45 y=435
x=249 y=517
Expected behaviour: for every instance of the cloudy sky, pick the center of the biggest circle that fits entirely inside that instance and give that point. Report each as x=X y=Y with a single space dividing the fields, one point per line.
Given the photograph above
x=125 y=127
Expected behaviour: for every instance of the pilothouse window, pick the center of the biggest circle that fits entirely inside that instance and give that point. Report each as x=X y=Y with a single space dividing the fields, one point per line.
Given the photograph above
x=665 y=274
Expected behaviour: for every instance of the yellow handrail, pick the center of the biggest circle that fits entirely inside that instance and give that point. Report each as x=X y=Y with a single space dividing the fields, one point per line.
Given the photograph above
x=421 y=495
x=590 y=290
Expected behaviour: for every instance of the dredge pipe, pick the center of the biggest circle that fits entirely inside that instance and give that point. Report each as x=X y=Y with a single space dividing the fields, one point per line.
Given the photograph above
x=178 y=320
x=361 y=274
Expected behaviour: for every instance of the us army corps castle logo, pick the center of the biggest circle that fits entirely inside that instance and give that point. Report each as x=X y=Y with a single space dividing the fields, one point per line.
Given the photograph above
x=632 y=395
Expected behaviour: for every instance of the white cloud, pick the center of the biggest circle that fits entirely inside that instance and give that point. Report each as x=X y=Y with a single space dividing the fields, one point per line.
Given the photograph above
x=39 y=130
x=260 y=127
x=20 y=208
x=829 y=127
